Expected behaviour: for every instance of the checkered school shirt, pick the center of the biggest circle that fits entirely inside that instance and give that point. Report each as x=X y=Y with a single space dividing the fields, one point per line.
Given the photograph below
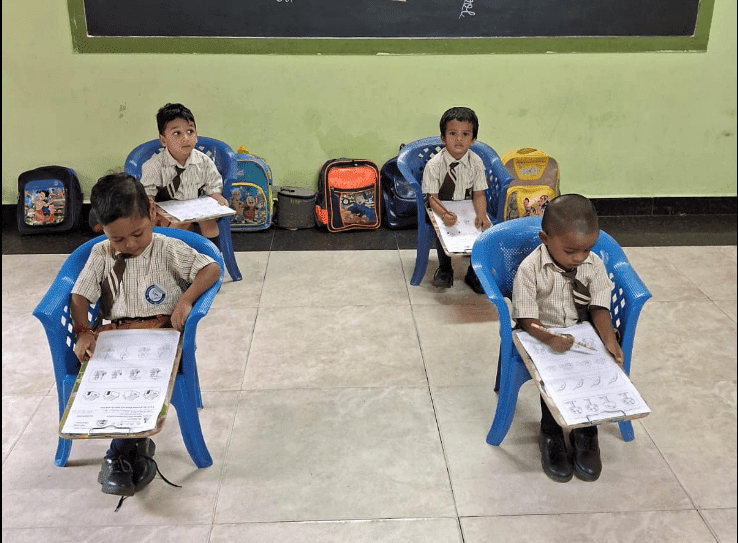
x=541 y=292
x=200 y=172
x=470 y=173
x=152 y=282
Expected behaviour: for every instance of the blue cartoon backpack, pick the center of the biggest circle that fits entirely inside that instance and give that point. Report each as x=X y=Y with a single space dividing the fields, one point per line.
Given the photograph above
x=49 y=200
x=250 y=195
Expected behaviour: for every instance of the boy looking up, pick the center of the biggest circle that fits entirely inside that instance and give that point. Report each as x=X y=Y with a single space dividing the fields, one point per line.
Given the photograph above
x=137 y=276
x=181 y=172
x=548 y=280
x=456 y=173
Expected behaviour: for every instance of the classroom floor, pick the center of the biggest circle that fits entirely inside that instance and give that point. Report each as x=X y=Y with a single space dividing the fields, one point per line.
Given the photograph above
x=343 y=404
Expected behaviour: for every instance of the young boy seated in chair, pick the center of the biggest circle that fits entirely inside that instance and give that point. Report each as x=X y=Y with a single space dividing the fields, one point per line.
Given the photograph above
x=122 y=272
x=181 y=172
x=558 y=285
x=456 y=173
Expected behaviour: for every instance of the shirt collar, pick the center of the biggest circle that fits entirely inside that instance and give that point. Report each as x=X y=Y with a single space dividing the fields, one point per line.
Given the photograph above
x=449 y=159
x=192 y=159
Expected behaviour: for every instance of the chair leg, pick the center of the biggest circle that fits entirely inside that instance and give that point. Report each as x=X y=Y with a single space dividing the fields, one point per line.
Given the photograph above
x=189 y=424
x=62 y=452
x=626 y=430
x=425 y=236
x=499 y=370
x=506 y=402
x=226 y=248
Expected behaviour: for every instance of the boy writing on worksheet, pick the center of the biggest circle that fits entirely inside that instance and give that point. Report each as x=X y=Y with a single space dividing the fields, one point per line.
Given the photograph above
x=143 y=280
x=559 y=284
x=456 y=173
x=181 y=172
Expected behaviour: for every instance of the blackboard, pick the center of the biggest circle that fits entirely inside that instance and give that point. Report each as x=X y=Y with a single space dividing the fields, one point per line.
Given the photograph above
x=334 y=25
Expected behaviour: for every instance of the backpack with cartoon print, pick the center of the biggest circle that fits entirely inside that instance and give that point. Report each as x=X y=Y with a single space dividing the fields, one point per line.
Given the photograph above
x=251 y=194
x=349 y=196
x=49 y=200
x=535 y=182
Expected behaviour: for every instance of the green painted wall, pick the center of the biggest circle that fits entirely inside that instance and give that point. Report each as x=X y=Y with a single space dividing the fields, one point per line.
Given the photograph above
x=620 y=124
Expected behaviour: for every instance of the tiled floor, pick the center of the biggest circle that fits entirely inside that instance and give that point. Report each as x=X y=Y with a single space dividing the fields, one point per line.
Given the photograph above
x=344 y=405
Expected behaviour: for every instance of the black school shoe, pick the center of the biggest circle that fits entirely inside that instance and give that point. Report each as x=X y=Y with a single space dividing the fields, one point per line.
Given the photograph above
x=144 y=466
x=554 y=458
x=587 y=462
x=116 y=475
x=443 y=278
x=472 y=280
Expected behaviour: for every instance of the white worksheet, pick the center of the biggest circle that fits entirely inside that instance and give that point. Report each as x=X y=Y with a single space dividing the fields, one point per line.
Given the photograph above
x=586 y=385
x=460 y=237
x=123 y=387
x=201 y=208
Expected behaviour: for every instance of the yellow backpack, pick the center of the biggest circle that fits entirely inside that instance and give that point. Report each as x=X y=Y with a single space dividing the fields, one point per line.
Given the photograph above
x=535 y=182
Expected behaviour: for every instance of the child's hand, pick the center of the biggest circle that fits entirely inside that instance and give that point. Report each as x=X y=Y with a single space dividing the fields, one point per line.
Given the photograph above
x=449 y=219
x=561 y=343
x=85 y=346
x=482 y=222
x=180 y=314
x=617 y=353
x=219 y=198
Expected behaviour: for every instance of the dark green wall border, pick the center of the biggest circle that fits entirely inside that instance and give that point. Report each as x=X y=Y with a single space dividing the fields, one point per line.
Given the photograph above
x=82 y=43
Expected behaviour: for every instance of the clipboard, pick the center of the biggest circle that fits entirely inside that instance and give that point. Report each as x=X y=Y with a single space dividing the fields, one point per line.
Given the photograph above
x=113 y=431
x=198 y=209
x=458 y=239
x=602 y=415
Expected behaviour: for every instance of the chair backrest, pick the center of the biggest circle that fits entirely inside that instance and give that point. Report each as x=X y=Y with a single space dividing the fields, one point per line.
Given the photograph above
x=218 y=151
x=413 y=157
x=54 y=309
x=499 y=251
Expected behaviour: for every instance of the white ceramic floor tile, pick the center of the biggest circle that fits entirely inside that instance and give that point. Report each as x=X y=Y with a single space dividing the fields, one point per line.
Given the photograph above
x=17 y=412
x=223 y=343
x=366 y=531
x=723 y=523
x=635 y=527
x=362 y=345
x=662 y=278
x=247 y=291
x=460 y=343
x=36 y=493
x=425 y=293
x=691 y=341
x=334 y=454
x=334 y=279
x=27 y=366
x=694 y=426
x=110 y=534
x=712 y=269
x=508 y=480
x=27 y=278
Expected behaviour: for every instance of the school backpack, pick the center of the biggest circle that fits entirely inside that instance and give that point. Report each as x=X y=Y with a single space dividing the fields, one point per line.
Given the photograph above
x=251 y=194
x=349 y=195
x=535 y=182
x=398 y=197
x=49 y=200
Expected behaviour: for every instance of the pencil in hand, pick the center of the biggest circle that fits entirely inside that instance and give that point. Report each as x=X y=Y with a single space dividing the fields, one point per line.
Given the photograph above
x=577 y=343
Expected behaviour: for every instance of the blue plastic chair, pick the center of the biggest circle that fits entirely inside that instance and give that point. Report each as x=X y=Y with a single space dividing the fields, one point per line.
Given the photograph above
x=496 y=256
x=225 y=161
x=54 y=313
x=412 y=160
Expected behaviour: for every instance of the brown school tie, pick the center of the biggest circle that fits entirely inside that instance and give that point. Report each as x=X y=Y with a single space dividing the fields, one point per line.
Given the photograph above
x=174 y=184
x=580 y=293
x=446 y=192
x=110 y=287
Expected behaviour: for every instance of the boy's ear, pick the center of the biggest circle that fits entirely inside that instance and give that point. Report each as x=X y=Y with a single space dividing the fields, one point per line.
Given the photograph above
x=162 y=141
x=543 y=237
x=152 y=210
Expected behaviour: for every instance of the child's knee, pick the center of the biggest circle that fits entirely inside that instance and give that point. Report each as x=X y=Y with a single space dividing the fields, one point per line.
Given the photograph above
x=209 y=228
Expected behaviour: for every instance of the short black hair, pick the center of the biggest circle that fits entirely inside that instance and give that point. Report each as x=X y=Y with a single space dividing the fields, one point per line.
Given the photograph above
x=463 y=114
x=116 y=196
x=170 y=112
x=570 y=212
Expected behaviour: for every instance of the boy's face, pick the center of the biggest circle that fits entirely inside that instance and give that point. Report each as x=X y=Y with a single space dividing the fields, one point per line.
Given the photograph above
x=569 y=248
x=130 y=234
x=180 y=138
x=458 y=138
